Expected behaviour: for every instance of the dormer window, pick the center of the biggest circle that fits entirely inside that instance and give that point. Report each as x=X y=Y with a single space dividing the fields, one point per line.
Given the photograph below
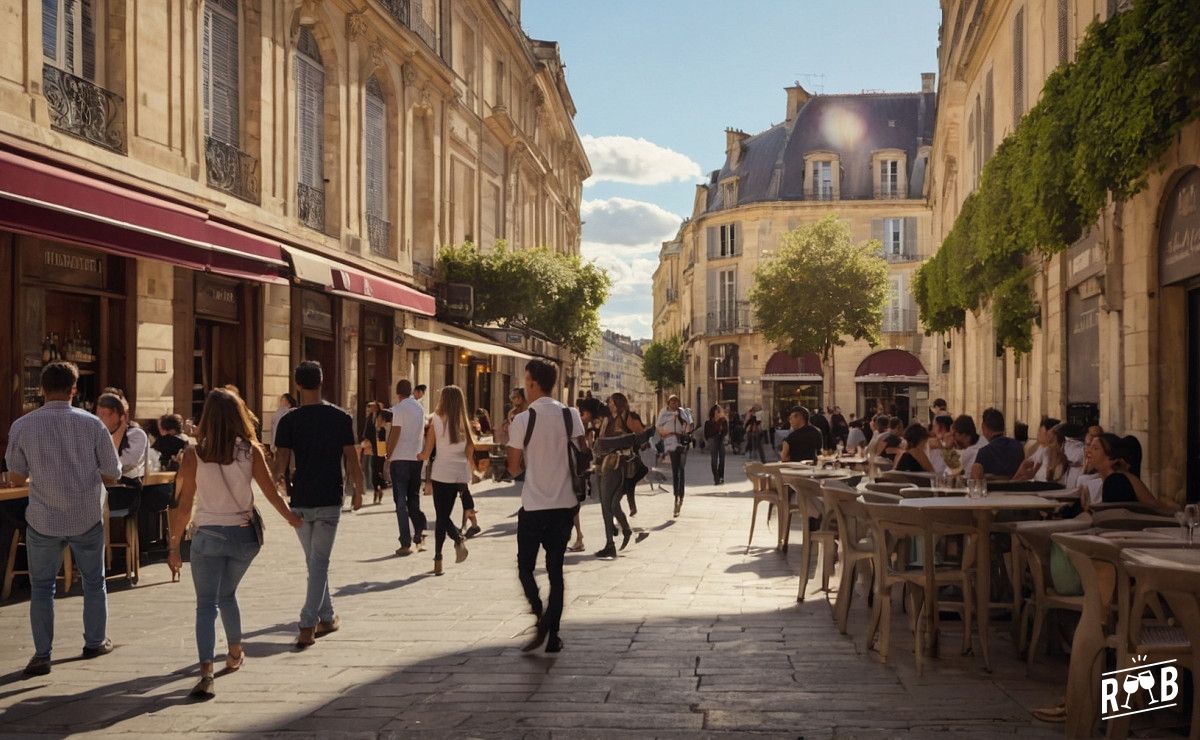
x=889 y=168
x=822 y=176
x=729 y=192
x=822 y=180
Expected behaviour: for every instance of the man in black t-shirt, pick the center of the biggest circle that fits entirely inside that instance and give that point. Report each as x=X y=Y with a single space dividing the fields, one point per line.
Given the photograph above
x=805 y=441
x=320 y=437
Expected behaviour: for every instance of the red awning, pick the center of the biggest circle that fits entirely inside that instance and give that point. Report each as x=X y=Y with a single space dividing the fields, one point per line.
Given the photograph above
x=891 y=365
x=51 y=202
x=782 y=366
x=350 y=282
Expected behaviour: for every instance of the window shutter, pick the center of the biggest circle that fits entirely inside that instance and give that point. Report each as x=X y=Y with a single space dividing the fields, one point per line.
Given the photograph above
x=910 y=235
x=88 y=39
x=222 y=74
x=50 y=29
x=989 y=118
x=310 y=102
x=68 y=24
x=1018 y=66
x=713 y=301
x=1063 y=31
x=877 y=228
x=376 y=146
x=733 y=245
x=711 y=232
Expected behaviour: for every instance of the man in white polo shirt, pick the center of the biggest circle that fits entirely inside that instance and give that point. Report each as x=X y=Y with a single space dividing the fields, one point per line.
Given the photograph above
x=403 y=445
x=548 y=502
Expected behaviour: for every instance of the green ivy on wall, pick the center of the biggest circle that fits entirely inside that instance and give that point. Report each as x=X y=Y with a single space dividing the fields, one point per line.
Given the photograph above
x=1102 y=123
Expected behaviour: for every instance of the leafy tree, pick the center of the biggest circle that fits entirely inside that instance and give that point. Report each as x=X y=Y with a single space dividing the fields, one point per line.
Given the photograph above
x=820 y=289
x=663 y=363
x=556 y=295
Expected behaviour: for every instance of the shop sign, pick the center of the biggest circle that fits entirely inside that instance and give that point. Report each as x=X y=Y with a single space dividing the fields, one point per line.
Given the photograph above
x=216 y=298
x=1179 y=233
x=316 y=312
x=513 y=338
x=54 y=263
x=1085 y=258
x=374 y=330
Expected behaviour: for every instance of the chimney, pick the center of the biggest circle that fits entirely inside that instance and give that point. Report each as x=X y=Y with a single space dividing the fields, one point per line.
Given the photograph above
x=733 y=145
x=797 y=96
x=927 y=82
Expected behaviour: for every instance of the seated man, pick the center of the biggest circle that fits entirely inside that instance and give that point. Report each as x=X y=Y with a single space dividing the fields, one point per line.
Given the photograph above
x=1002 y=456
x=805 y=441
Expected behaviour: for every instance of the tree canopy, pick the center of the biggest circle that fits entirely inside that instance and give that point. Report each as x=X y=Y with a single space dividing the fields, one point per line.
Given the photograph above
x=820 y=289
x=556 y=295
x=663 y=362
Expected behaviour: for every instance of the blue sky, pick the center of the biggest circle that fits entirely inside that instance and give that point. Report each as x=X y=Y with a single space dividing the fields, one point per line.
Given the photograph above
x=656 y=82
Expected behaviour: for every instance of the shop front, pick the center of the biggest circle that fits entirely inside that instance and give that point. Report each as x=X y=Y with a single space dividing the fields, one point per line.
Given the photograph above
x=1085 y=270
x=789 y=381
x=375 y=358
x=316 y=334
x=892 y=382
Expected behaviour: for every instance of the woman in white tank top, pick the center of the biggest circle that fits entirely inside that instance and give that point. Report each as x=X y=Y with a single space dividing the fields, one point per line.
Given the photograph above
x=449 y=474
x=216 y=475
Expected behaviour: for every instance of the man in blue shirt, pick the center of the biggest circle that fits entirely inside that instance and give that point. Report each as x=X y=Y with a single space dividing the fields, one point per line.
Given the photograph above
x=1002 y=456
x=67 y=456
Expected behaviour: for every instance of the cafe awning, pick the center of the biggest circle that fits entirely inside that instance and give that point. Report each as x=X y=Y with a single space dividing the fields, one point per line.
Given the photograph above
x=891 y=366
x=341 y=279
x=782 y=367
x=477 y=346
x=48 y=201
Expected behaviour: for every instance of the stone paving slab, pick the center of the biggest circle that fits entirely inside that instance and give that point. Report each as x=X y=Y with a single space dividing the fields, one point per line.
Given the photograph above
x=687 y=634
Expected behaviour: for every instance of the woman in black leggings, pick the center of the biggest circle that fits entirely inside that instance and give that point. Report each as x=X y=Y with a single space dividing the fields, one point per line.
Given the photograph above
x=450 y=472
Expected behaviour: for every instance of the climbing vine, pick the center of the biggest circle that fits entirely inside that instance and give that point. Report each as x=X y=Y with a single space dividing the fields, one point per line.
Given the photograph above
x=1102 y=122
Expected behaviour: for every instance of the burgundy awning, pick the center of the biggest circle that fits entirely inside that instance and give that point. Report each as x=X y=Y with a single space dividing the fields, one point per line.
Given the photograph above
x=51 y=202
x=350 y=282
x=782 y=366
x=891 y=366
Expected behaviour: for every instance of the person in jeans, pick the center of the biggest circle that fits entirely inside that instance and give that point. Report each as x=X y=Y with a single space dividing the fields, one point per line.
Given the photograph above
x=320 y=437
x=216 y=476
x=404 y=469
x=674 y=424
x=66 y=455
x=611 y=473
x=715 y=431
x=548 y=503
x=450 y=472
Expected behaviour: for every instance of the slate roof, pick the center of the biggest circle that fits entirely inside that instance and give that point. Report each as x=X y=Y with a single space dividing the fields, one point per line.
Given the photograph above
x=772 y=162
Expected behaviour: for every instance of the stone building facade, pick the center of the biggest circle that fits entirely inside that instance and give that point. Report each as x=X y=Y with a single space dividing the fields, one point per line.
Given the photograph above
x=860 y=156
x=202 y=192
x=1117 y=336
x=615 y=366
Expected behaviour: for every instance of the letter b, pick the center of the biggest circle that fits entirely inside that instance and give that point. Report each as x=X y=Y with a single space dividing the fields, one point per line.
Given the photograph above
x=1169 y=688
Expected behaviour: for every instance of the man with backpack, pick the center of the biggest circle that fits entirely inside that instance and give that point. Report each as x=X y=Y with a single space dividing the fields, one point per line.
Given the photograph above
x=550 y=437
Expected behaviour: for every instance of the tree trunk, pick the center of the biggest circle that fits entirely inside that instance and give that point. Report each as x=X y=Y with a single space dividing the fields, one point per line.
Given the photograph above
x=828 y=379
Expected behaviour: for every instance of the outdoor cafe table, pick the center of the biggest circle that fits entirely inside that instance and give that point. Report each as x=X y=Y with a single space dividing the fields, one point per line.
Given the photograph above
x=983 y=508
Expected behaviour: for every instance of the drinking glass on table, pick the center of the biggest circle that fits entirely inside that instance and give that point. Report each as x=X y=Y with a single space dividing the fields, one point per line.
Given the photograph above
x=976 y=488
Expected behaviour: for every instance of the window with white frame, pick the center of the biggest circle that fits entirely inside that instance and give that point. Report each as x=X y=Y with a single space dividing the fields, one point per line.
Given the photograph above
x=729 y=237
x=727 y=297
x=375 y=146
x=221 y=71
x=822 y=180
x=893 y=237
x=889 y=178
x=69 y=36
x=310 y=130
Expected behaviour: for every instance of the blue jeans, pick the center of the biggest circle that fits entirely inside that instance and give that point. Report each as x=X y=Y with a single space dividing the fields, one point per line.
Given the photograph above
x=220 y=557
x=45 y=558
x=316 y=537
x=406 y=492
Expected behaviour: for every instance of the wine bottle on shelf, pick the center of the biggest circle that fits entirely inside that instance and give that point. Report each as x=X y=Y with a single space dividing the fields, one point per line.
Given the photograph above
x=54 y=354
x=46 y=349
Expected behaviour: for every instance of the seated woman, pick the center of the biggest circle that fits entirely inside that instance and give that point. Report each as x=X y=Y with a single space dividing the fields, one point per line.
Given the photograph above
x=1049 y=464
x=915 y=458
x=1118 y=462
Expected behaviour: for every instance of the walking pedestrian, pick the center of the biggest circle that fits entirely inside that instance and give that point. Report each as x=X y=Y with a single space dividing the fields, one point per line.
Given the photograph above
x=612 y=466
x=675 y=427
x=320 y=437
x=216 y=475
x=715 y=430
x=372 y=462
x=548 y=501
x=450 y=472
x=754 y=434
x=737 y=433
x=67 y=456
x=404 y=469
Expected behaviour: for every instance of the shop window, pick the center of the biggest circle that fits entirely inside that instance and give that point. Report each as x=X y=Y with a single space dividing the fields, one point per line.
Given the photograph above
x=375 y=144
x=310 y=132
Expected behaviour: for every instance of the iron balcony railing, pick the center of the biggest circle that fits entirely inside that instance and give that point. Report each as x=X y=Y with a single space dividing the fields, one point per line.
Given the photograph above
x=378 y=235
x=231 y=170
x=310 y=206
x=899 y=320
x=733 y=321
x=82 y=108
x=902 y=256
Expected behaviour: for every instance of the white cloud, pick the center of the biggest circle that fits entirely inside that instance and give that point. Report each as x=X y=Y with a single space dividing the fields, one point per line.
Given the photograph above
x=636 y=161
x=630 y=276
x=627 y=222
x=635 y=325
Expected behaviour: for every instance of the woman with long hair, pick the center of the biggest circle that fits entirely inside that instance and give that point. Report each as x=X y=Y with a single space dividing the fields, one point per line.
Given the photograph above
x=611 y=467
x=1118 y=462
x=450 y=472
x=715 y=431
x=216 y=474
x=915 y=458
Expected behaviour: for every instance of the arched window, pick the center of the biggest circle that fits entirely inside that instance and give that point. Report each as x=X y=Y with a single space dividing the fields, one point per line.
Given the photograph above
x=375 y=146
x=69 y=36
x=310 y=132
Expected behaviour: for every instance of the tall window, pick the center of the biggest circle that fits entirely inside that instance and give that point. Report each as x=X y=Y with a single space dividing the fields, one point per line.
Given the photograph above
x=728 y=240
x=724 y=358
x=988 y=125
x=69 y=36
x=1064 y=31
x=310 y=131
x=727 y=297
x=893 y=237
x=1018 y=66
x=375 y=144
x=889 y=178
x=822 y=174
x=221 y=71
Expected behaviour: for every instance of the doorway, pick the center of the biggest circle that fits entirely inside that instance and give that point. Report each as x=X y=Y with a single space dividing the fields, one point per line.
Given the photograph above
x=216 y=360
x=1193 y=426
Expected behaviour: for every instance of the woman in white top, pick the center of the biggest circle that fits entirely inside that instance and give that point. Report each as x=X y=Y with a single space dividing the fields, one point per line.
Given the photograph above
x=449 y=474
x=216 y=473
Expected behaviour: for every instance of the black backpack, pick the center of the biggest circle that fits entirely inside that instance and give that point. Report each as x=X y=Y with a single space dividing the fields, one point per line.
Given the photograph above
x=579 y=461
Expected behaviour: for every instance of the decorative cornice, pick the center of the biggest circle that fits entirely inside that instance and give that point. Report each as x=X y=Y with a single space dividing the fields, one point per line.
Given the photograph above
x=356 y=24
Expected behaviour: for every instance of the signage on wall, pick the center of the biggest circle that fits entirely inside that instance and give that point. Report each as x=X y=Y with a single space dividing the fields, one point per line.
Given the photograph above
x=1179 y=233
x=316 y=312
x=58 y=263
x=1085 y=258
x=216 y=298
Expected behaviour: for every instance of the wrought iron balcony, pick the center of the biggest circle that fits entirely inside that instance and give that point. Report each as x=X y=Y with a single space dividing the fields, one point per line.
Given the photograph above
x=310 y=206
x=82 y=108
x=734 y=321
x=231 y=170
x=379 y=235
x=901 y=256
x=889 y=194
x=899 y=320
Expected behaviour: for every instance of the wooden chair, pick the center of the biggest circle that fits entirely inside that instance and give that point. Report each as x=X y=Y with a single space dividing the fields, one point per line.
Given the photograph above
x=1031 y=548
x=764 y=491
x=784 y=502
x=892 y=488
x=10 y=569
x=856 y=549
x=809 y=506
x=127 y=521
x=874 y=497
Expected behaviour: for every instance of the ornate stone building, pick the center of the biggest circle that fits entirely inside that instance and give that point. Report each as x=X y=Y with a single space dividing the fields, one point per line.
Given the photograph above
x=1116 y=340
x=860 y=156
x=615 y=366
x=201 y=192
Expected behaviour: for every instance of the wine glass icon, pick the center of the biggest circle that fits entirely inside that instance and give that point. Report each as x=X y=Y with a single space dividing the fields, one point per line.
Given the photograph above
x=1130 y=685
x=1146 y=681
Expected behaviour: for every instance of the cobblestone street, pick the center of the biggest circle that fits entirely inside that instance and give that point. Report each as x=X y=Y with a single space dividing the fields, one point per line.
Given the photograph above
x=684 y=635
